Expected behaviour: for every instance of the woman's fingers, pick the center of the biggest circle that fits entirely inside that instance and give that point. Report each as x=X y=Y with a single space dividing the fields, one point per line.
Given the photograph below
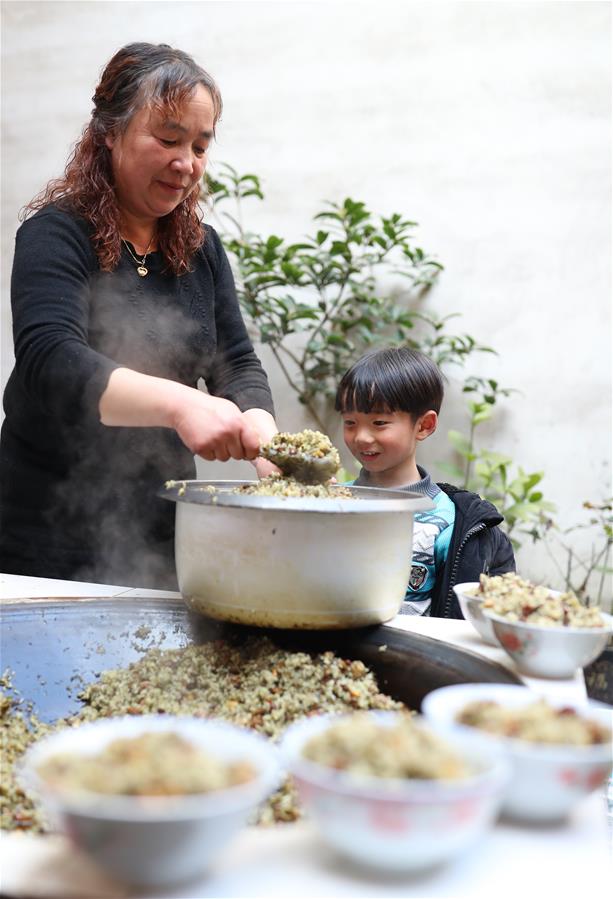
x=239 y=442
x=207 y=455
x=216 y=430
x=264 y=468
x=222 y=454
x=250 y=441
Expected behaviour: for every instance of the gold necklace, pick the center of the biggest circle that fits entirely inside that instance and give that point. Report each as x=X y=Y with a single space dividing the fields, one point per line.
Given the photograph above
x=141 y=268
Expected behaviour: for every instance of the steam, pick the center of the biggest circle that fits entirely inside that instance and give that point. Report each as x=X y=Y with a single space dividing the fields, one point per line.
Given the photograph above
x=107 y=523
x=106 y=507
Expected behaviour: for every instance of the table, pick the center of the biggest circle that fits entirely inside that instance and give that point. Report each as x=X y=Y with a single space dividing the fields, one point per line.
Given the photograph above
x=562 y=861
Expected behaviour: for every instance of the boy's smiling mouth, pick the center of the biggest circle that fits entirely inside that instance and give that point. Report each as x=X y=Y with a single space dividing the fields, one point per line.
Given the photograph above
x=369 y=455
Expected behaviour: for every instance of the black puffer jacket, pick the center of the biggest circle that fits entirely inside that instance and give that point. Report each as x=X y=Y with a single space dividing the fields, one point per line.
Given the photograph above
x=477 y=545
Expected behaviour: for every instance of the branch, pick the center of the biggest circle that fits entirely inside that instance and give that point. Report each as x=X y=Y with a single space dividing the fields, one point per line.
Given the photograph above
x=332 y=309
x=276 y=351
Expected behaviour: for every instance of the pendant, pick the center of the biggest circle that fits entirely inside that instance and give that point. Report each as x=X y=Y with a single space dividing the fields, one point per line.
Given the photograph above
x=142 y=271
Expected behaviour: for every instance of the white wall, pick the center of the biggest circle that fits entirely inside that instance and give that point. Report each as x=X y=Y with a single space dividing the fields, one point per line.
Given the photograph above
x=487 y=122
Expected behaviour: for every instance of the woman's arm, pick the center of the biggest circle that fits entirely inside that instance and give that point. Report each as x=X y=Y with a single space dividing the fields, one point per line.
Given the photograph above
x=209 y=426
x=50 y=300
x=54 y=263
x=236 y=372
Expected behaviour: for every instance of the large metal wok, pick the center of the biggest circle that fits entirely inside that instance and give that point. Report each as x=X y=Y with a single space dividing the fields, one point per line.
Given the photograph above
x=53 y=647
x=293 y=562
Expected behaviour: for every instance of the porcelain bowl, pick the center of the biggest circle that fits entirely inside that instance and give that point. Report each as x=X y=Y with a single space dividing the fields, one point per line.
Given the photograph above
x=471 y=607
x=395 y=825
x=543 y=651
x=152 y=841
x=548 y=780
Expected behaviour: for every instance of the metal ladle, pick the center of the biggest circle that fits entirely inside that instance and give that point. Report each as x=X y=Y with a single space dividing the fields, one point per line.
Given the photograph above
x=301 y=465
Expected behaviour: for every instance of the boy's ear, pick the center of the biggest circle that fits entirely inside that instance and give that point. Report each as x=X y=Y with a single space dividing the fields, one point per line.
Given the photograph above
x=427 y=424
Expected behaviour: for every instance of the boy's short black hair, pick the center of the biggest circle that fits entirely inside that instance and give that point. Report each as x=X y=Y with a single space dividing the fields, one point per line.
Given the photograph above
x=396 y=379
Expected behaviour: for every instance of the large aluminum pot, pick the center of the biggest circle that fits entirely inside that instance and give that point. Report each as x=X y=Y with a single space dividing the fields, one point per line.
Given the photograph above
x=290 y=562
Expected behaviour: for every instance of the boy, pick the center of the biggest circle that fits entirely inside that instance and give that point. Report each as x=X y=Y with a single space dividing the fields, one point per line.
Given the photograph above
x=389 y=401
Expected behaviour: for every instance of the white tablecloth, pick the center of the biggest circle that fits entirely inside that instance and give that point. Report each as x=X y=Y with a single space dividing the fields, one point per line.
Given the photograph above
x=567 y=860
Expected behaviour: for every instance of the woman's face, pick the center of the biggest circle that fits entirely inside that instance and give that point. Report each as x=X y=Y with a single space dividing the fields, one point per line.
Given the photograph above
x=158 y=161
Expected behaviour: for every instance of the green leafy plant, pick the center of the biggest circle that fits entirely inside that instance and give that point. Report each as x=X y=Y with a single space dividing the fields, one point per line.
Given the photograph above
x=516 y=494
x=358 y=281
x=493 y=475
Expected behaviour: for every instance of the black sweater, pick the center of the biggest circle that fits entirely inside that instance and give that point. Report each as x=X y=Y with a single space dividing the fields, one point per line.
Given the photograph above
x=78 y=499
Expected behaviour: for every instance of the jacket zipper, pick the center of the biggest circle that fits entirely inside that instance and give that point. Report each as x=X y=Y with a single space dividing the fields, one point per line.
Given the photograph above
x=474 y=530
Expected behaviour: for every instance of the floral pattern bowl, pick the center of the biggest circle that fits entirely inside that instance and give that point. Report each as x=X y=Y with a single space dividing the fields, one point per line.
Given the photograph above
x=548 y=780
x=549 y=651
x=471 y=606
x=396 y=825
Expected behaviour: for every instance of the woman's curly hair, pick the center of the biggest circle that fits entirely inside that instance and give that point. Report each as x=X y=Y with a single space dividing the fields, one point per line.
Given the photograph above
x=138 y=75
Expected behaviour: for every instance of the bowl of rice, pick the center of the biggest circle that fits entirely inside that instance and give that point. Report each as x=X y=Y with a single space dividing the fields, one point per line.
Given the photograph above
x=559 y=751
x=471 y=604
x=546 y=633
x=152 y=799
x=387 y=792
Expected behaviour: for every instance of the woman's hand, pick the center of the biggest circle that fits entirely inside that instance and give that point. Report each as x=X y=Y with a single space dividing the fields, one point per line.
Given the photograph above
x=263 y=467
x=266 y=428
x=216 y=429
x=209 y=426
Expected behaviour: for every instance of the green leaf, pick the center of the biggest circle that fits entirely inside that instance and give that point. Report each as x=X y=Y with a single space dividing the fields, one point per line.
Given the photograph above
x=452 y=471
x=291 y=271
x=483 y=415
x=486 y=471
x=329 y=215
x=532 y=480
x=303 y=313
x=497 y=459
x=340 y=247
x=523 y=511
x=460 y=443
x=273 y=242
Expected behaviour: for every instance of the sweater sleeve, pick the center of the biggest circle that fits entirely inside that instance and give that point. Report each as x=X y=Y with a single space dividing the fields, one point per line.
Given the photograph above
x=53 y=264
x=237 y=373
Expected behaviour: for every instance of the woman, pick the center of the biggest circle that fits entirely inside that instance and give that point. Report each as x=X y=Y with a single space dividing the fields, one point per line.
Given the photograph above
x=121 y=301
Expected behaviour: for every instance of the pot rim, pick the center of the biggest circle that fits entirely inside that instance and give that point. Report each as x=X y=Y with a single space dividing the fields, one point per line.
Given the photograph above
x=217 y=493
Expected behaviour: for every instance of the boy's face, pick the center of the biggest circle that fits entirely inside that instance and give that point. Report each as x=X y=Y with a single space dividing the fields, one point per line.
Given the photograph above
x=386 y=441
